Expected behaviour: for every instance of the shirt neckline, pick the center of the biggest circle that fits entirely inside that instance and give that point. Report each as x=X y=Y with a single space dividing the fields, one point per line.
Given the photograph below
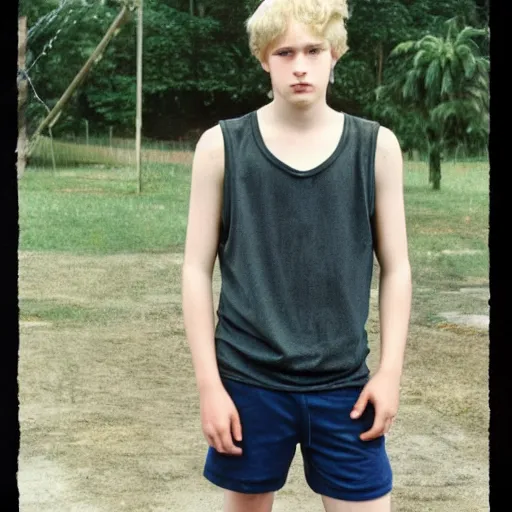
x=285 y=167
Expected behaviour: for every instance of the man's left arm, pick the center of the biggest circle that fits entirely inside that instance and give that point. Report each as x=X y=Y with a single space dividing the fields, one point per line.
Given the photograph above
x=395 y=286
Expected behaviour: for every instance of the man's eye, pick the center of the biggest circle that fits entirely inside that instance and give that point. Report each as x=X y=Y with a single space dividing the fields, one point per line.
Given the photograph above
x=314 y=51
x=284 y=53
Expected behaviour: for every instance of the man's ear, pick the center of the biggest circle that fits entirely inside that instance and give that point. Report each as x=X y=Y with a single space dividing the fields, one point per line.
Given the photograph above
x=264 y=58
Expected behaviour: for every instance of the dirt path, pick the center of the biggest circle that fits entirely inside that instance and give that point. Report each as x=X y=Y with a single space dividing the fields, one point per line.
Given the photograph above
x=109 y=411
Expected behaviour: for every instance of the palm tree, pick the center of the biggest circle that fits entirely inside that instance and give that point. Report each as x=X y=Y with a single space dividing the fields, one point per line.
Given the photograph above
x=443 y=82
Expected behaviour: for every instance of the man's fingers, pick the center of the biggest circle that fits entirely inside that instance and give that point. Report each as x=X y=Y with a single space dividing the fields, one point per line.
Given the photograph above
x=227 y=444
x=215 y=442
x=377 y=429
x=222 y=443
x=236 y=427
x=360 y=405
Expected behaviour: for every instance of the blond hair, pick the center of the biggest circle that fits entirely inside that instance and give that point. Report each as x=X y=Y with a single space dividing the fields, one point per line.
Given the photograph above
x=325 y=18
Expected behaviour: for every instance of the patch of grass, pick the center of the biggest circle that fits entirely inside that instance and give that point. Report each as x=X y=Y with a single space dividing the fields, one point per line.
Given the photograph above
x=55 y=312
x=448 y=229
x=96 y=209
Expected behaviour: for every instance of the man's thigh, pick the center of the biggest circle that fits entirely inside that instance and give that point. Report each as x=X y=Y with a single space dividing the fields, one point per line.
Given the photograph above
x=338 y=464
x=237 y=502
x=382 y=504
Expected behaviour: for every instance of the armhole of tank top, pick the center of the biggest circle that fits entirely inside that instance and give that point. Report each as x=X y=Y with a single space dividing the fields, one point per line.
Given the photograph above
x=374 y=133
x=226 y=189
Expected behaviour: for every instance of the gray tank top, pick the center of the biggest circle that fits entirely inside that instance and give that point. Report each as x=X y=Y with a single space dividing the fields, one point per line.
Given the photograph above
x=296 y=260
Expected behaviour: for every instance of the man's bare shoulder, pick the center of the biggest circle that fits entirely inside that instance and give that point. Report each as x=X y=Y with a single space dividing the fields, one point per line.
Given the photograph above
x=211 y=140
x=209 y=152
x=387 y=141
x=388 y=156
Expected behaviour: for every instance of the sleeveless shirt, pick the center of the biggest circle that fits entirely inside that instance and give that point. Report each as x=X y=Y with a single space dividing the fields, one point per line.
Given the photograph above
x=296 y=259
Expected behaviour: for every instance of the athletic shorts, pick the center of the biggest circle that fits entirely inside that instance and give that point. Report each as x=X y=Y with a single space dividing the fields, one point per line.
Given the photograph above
x=337 y=463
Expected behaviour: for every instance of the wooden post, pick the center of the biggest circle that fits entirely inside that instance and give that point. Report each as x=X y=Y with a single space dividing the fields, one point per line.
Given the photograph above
x=52 y=150
x=138 y=142
x=86 y=132
x=96 y=55
x=22 y=96
x=110 y=136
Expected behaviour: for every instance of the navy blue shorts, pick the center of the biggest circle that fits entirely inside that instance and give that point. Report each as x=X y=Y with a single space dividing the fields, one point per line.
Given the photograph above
x=337 y=463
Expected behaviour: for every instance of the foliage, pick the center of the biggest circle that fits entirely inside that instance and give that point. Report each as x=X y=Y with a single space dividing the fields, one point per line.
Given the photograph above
x=198 y=68
x=443 y=83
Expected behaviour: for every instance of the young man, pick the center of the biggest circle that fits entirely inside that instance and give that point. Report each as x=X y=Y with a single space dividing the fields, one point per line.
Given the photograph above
x=295 y=199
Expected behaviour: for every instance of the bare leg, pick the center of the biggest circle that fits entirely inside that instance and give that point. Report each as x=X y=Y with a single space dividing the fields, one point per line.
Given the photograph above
x=237 y=502
x=379 y=505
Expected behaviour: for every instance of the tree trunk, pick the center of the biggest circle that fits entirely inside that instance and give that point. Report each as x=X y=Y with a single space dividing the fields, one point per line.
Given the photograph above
x=380 y=64
x=435 y=147
x=22 y=96
x=434 y=170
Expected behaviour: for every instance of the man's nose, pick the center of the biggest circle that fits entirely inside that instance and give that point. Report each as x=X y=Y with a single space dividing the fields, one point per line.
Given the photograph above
x=299 y=66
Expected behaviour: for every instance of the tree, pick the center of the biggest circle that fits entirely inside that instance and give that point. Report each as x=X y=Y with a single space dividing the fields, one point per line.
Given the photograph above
x=374 y=27
x=443 y=82
x=34 y=10
x=198 y=69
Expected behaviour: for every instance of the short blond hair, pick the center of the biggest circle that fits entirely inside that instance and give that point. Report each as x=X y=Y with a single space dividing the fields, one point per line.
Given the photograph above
x=325 y=18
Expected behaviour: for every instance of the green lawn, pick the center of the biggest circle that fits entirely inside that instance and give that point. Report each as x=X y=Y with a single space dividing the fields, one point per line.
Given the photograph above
x=92 y=210
x=448 y=230
x=97 y=210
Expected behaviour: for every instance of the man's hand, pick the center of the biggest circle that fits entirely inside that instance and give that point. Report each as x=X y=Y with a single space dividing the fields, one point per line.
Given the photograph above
x=220 y=420
x=383 y=391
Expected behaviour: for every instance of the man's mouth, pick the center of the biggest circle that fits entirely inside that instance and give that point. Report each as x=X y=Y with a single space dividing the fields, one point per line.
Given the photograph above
x=302 y=87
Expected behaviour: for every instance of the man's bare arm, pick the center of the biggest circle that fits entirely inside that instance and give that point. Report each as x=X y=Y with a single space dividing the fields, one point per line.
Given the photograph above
x=395 y=287
x=392 y=252
x=200 y=254
x=219 y=418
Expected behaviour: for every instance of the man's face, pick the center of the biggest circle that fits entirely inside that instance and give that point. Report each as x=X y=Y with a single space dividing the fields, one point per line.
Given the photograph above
x=299 y=64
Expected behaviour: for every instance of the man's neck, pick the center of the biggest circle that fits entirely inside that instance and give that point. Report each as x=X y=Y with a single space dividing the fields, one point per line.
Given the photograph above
x=281 y=114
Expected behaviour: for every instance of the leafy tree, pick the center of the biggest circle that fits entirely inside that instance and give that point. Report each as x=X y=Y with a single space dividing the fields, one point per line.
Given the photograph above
x=59 y=43
x=374 y=28
x=429 y=16
x=34 y=10
x=198 y=68
x=443 y=82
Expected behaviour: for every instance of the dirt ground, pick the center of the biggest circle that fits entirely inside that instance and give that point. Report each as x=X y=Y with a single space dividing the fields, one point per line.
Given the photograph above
x=109 y=411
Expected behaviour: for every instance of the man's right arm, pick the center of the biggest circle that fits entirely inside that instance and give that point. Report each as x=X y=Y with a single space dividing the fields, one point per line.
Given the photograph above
x=219 y=418
x=200 y=254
